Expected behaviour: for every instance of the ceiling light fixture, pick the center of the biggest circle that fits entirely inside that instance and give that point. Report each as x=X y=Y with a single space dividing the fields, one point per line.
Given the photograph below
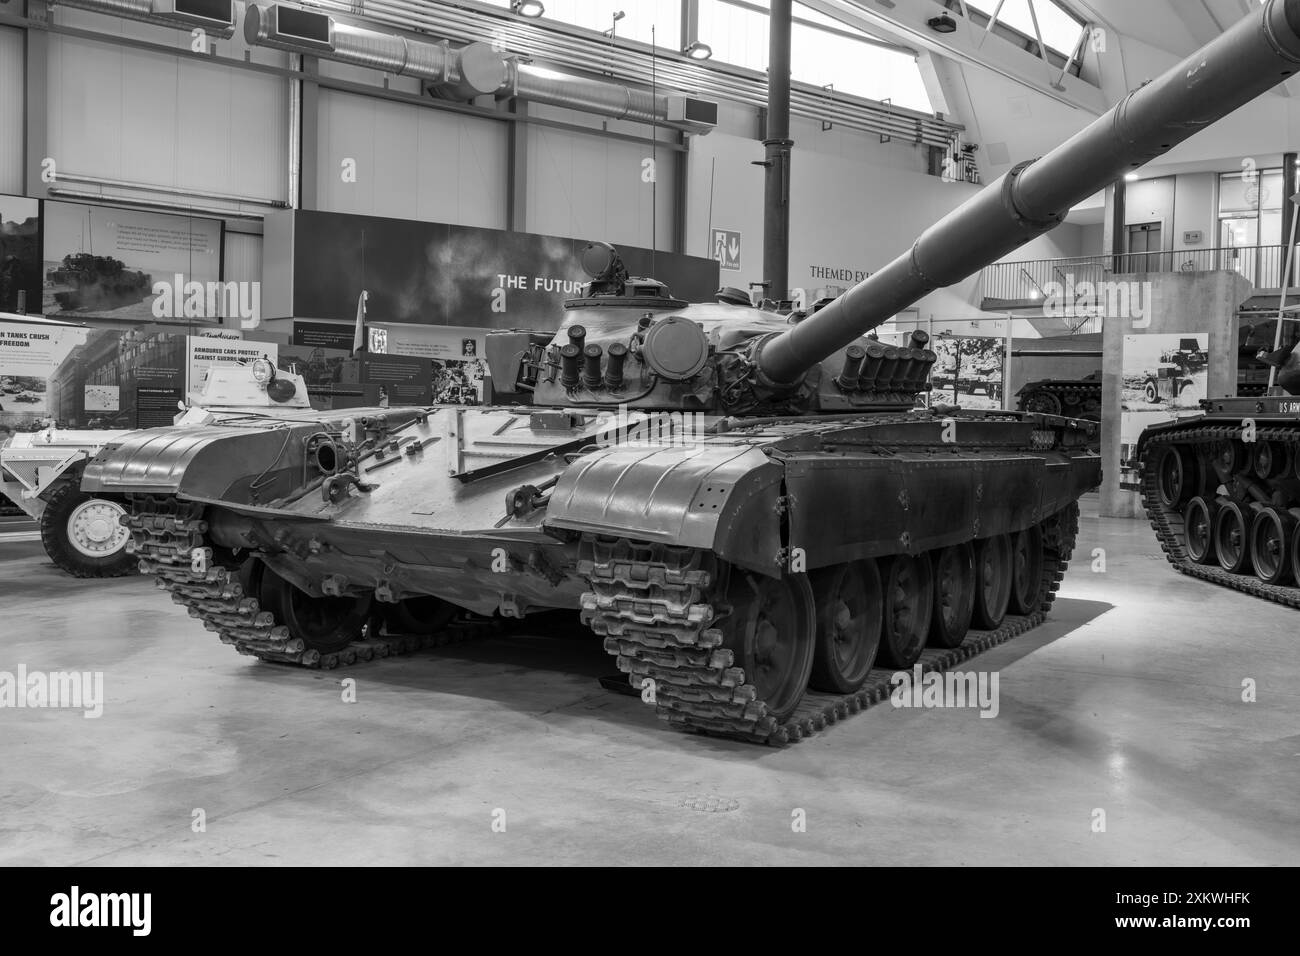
x=698 y=50
x=528 y=8
x=1130 y=177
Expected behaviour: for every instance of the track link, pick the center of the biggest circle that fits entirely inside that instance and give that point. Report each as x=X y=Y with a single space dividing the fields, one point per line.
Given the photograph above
x=652 y=605
x=1168 y=525
x=165 y=533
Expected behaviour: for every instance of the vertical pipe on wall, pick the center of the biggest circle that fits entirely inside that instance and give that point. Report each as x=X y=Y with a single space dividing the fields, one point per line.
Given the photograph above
x=776 y=148
x=36 y=122
x=517 y=168
x=1116 y=226
x=1290 y=186
x=306 y=133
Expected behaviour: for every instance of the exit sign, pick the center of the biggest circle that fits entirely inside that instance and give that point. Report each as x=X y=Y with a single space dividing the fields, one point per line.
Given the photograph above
x=726 y=248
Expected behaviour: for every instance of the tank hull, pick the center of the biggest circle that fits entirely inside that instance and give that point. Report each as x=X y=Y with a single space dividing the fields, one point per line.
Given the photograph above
x=773 y=501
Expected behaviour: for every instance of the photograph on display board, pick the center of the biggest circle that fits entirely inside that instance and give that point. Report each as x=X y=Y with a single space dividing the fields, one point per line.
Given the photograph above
x=20 y=254
x=970 y=371
x=124 y=264
x=1167 y=371
x=1165 y=376
x=30 y=352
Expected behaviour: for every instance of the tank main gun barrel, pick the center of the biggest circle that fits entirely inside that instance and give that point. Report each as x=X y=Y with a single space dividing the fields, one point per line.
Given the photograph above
x=1247 y=60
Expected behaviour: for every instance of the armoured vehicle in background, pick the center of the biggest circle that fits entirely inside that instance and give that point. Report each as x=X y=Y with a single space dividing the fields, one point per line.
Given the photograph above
x=98 y=282
x=82 y=533
x=1174 y=373
x=746 y=507
x=1074 y=398
x=1222 y=489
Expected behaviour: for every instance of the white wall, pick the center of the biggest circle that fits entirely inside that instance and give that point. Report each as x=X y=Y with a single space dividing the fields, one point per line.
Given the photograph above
x=412 y=162
x=1196 y=209
x=591 y=187
x=151 y=118
x=850 y=210
x=12 y=89
x=242 y=262
x=1090 y=239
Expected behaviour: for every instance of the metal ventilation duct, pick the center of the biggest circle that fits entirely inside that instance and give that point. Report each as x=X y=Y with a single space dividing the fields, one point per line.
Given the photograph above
x=557 y=43
x=464 y=73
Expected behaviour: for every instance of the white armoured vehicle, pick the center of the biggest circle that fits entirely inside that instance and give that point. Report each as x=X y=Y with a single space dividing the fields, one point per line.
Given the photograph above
x=41 y=471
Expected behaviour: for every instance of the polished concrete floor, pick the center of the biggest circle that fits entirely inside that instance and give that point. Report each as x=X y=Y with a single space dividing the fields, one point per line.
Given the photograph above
x=1128 y=702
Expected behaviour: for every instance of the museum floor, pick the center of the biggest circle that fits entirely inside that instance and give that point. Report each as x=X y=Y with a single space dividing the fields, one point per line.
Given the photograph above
x=1129 y=701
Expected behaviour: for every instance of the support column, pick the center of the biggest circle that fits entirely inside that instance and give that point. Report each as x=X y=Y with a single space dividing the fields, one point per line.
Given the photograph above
x=517 y=168
x=36 y=119
x=1113 y=230
x=308 y=133
x=776 y=149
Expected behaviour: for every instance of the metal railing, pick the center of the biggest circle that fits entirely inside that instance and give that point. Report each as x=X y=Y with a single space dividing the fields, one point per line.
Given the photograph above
x=1027 y=282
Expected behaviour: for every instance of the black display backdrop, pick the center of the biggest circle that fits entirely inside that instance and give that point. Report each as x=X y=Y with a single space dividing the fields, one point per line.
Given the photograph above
x=437 y=274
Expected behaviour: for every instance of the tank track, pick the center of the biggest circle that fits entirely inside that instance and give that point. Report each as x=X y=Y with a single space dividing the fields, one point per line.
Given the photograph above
x=164 y=535
x=1169 y=527
x=651 y=604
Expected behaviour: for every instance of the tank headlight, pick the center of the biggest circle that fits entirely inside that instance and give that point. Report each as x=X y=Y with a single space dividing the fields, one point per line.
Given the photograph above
x=263 y=371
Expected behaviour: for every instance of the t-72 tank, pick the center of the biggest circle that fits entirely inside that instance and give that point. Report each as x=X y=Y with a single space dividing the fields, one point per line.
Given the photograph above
x=747 y=507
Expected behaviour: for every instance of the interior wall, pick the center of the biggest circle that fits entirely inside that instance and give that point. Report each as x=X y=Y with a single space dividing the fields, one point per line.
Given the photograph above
x=12 y=91
x=242 y=262
x=384 y=158
x=1090 y=239
x=161 y=120
x=597 y=187
x=1196 y=197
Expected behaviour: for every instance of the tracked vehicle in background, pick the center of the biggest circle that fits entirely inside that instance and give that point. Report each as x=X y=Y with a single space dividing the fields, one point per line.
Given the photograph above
x=746 y=507
x=1222 y=490
x=1073 y=398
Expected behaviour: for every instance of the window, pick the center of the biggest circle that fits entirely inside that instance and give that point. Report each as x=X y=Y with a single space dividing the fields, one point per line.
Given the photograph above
x=822 y=52
x=1060 y=30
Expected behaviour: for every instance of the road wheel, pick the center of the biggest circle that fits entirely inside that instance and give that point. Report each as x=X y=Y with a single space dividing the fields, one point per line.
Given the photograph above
x=1269 y=460
x=848 y=599
x=83 y=534
x=1175 y=475
x=1045 y=403
x=324 y=624
x=1027 y=571
x=908 y=607
x=1232 y=538
x=954 y=595
x=772 y=631
x=1270 y=545
x=1198 y=527
x=992 y=581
